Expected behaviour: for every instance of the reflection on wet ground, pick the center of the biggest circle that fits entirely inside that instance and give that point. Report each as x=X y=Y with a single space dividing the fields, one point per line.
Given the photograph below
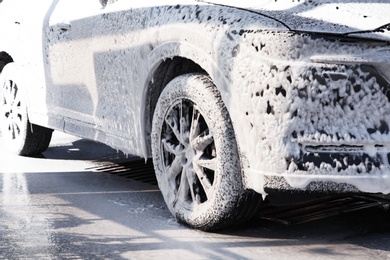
x=62 y=208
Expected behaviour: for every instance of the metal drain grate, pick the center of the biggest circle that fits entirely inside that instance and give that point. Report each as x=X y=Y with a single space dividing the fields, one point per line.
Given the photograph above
x=136 y=169
x=319 y=209
x=131 y=168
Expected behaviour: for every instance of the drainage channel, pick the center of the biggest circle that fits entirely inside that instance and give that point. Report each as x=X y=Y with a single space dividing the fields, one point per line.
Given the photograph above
x=320 y=209
x=131 y=168
x=137 y=169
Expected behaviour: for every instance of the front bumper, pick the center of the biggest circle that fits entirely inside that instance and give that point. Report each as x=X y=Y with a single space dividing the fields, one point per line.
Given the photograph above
x=331 y=129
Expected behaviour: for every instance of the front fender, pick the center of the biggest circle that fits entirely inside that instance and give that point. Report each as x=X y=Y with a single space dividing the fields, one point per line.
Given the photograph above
x=169 y=50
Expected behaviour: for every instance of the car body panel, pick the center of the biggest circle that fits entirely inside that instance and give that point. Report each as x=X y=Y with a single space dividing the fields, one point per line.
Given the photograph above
x=116 y=65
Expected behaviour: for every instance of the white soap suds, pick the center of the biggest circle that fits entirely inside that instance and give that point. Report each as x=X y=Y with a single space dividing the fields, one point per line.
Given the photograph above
x=292 y=96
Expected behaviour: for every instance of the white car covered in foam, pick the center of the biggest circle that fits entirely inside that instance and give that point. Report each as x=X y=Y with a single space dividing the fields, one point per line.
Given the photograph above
x=232 y=101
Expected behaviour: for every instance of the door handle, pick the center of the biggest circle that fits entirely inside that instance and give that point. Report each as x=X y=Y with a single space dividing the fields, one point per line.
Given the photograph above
x=63 y=27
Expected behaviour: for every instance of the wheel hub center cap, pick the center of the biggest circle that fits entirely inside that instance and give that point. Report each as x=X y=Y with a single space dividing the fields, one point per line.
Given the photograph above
x=188 y=155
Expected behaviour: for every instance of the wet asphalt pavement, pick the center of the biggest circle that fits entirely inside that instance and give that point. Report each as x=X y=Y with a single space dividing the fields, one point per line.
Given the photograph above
x=60 y=207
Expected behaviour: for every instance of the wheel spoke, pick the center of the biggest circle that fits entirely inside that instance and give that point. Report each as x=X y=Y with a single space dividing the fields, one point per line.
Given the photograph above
x=16 y=101
x=8 y=86
x=202 y=141
x=182 y=190
x=15 y=130
x=178 y=123
x=9 y=92
x=184 y=124
x=173 y=125
x=191 y=183
x=14 y=90
x=194 y=131
x=207 y=163
x=204 y=181
x=171 y=148
x=174 y=169
x=6 y=94
x=180 y=119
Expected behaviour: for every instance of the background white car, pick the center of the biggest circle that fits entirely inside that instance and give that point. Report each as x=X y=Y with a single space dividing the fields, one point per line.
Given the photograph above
x=232 y=101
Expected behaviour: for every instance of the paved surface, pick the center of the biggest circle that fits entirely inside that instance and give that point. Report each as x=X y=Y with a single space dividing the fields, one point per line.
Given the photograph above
x=59 y=207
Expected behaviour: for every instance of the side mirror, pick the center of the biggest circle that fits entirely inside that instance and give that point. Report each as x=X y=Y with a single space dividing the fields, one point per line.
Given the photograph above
x=103 y=2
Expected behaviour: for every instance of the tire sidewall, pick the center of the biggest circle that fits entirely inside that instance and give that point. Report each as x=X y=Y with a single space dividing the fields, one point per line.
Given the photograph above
x=228 y=187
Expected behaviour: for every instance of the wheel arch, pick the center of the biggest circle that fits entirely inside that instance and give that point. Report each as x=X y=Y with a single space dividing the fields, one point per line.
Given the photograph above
x=165 y=63
x=5 y=58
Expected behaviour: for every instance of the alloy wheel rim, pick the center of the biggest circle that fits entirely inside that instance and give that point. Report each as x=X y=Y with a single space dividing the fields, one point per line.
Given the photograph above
x=189 y=155
x=12 y=110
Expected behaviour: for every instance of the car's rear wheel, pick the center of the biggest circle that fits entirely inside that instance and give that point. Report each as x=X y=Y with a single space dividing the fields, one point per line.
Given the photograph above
x=195 y=156
x=20 y=136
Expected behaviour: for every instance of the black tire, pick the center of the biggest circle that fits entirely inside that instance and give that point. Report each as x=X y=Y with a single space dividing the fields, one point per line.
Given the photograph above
x=20 y=136
x=195 y=156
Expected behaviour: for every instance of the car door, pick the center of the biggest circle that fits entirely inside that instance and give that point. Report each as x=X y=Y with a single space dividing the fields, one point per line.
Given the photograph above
x=90 y=58
x=71 y=84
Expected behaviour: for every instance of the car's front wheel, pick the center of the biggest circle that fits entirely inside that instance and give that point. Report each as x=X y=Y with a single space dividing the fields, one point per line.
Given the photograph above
x=20 y=136
x=195 y=156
